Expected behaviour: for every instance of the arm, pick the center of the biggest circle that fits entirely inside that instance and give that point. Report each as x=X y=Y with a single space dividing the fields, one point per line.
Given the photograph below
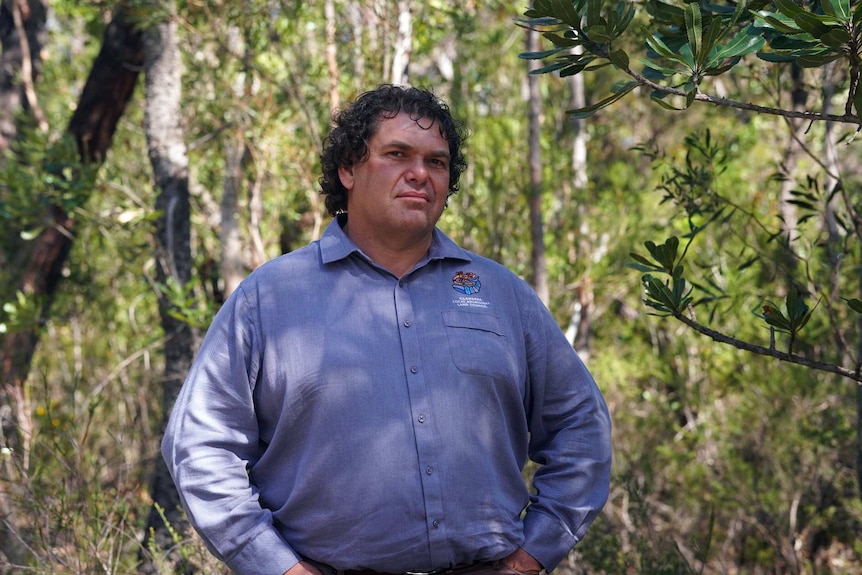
x=212 y=437
x=570 y=439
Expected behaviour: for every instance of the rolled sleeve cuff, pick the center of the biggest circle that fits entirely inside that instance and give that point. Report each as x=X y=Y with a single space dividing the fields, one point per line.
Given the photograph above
x=547 y=539
x=266 y=554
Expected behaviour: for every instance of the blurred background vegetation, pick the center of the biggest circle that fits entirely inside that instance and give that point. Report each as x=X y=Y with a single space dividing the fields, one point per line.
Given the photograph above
x=725 y=461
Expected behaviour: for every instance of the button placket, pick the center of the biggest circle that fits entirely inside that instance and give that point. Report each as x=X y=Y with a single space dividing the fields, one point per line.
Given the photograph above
x=426 y=441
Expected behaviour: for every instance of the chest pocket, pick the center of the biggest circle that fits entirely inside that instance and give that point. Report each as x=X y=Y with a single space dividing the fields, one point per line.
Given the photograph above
x=479 y=344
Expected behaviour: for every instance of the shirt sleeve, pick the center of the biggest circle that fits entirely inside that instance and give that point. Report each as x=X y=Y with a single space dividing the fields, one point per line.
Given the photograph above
x=212 y=438
x=570 y=439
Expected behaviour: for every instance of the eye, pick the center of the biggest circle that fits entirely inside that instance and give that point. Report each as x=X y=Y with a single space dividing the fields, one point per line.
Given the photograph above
x=395 y=154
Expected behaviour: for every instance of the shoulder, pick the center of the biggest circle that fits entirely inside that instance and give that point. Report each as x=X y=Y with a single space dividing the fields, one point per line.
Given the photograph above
x=284 y=273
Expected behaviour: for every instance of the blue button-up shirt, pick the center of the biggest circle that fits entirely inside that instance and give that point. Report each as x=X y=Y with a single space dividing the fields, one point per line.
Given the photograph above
x=338 y=413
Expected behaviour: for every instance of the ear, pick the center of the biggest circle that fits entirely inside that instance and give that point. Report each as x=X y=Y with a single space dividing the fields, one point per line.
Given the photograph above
x=346 y=177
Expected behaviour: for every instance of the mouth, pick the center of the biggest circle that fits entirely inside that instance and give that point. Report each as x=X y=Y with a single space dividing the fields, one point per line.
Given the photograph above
x=414 y=195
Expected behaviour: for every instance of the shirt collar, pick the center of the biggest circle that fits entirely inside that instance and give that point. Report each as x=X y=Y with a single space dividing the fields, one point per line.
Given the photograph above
x=335 y=245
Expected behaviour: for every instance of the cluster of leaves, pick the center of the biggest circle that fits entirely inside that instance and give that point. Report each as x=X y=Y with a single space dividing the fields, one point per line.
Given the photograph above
x=695 y=41
x=671 y=297
x=41 y=173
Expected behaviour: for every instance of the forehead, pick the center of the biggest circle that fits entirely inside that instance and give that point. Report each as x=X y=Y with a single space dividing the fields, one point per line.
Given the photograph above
x=404 y=125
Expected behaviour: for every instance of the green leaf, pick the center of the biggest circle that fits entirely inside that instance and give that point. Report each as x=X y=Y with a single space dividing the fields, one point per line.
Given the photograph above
x=836 y=37
x=558 y=65
x=597 y=66
x=594 y=12
x=619 y=59
x=788 y=8
x=537 y=21
x=694 y=28
x=742 y=44
x=798 y=312
x=855 y=304
x=839 y=9
x=661 y=48
x=718 y=70
x=773 y=316
x=644 y=262
x=690 y=96
x=817 y=60
x=780 y=23
x=588 y=111
x=565 y=11
x=620 y=19
x=713 y=33
x=687 y=57
x=811 y=24
x=776 y=57
x=598 y=33
x=574 y=69
x=641 y=267
x=541 y=55
x=664 y=70
x=562 y=41
x=658 y=97
x=664 y=254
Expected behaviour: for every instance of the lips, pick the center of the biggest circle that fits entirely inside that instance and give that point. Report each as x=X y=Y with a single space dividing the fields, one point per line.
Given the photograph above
x=414 y=196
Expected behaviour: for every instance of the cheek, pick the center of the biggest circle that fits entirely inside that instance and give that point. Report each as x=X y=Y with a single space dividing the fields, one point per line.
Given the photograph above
x=441 y=181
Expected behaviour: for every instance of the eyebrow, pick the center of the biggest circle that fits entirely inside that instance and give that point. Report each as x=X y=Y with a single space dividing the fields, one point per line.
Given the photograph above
x=438 y=153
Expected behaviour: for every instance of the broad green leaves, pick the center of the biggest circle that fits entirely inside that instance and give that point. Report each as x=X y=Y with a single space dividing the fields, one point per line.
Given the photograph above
x=808 y=38
x=693 y=41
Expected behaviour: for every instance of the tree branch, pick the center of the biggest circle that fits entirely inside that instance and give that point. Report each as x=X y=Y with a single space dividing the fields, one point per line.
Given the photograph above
x=855 y=375
x=728 y=103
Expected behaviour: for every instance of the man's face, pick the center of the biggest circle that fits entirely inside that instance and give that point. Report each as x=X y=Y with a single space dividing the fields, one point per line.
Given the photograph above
x=400 y=190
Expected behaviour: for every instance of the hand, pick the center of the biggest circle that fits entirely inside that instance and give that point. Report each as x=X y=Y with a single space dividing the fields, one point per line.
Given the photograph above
x=521 y=561
x=303 y=568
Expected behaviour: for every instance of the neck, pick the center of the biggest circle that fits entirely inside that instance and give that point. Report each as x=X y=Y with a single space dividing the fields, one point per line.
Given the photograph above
x=399 y=255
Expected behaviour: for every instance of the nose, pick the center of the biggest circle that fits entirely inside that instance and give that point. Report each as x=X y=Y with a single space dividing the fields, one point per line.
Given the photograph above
x=417 y=171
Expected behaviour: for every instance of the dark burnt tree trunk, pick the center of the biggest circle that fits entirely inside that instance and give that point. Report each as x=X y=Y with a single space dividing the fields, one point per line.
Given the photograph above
x=167 y=150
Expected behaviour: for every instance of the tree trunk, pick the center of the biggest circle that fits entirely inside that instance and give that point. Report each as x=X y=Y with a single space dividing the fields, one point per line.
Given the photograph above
x=35 y=266
x=22 y=35
x=232 y=261
x=168 y=157
x=331 y=54
x=580 y=326
x=537 y=233
x=403 y=45
x=579 y=143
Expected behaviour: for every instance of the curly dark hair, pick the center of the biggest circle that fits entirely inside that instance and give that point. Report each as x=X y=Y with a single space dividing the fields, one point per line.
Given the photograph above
x=347 y=143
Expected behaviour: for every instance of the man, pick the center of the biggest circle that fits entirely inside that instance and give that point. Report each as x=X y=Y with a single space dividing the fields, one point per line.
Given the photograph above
x=367 y=403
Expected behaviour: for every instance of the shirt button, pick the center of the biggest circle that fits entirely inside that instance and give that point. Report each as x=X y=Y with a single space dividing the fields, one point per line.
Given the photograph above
x=435 y=523
x=421 y=419
x=407 y=323
x=414 y=369
x=429 y=471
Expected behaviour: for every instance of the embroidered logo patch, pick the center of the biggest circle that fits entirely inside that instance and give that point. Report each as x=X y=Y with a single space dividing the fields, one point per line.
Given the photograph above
x=466 y=282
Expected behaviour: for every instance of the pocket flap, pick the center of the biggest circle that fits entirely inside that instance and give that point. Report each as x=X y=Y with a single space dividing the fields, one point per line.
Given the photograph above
x=472 y=320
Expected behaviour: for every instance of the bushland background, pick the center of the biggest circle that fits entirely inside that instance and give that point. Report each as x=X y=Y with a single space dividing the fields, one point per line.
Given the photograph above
x=154 y=153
